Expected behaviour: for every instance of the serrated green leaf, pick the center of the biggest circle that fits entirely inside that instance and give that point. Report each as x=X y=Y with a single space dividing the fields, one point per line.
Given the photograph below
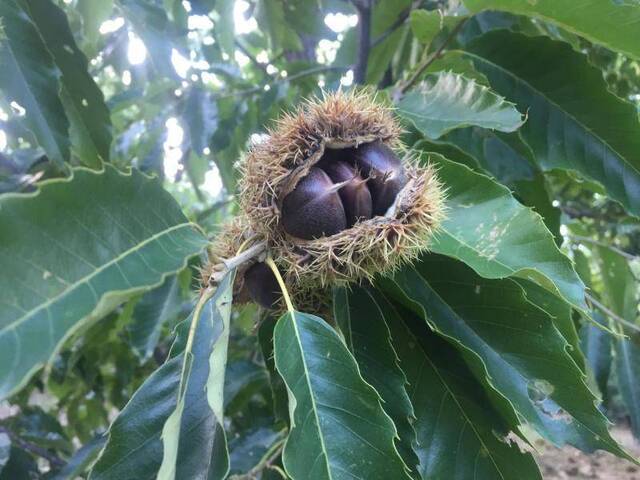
x=615 y=26
x=573 y=122
x=371 y=346
x=89 y=116
x=509 y=343
x=460 y=433
x=446 y=101
x=338 y=428
x=193 y=436
x=29 y=77
x=74 y=250
x=137 y=441
x=498 y=237
x=134 y=448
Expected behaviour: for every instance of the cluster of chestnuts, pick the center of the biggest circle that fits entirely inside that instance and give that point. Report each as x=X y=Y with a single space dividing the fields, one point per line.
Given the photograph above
x=347 y=185
x=329 y=201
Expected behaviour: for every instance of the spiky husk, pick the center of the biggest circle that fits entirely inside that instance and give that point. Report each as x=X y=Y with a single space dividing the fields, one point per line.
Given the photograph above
x=272 y=169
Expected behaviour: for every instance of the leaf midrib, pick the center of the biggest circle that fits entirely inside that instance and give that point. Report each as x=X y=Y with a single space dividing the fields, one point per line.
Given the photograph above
x=86 y=278
x=313 y=401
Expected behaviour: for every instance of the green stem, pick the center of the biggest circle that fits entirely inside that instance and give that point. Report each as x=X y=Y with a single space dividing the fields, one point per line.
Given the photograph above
x=269 y=261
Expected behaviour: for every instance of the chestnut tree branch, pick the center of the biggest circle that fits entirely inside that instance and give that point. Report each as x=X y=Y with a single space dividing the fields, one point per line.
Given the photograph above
x=363 y=7
x=401 y=20
x=579 y=238
x=402 y=89
x=296 y=76
x=53 y=459
x=612 y=315
x=233 y=262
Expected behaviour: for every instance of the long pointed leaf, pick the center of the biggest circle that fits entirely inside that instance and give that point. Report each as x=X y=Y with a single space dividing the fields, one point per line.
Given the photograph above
x=573 y=121
x=378 y=361
x=89 y=116
x=138 y=439
x=338 y=428
x=193 y=436
x=460 y=433
x=523 y=353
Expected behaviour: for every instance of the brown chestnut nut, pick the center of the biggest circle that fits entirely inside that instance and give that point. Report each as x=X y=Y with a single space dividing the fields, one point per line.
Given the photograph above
x=313 y=209
x=262 y=285
x=355 y=196
x=385 y=172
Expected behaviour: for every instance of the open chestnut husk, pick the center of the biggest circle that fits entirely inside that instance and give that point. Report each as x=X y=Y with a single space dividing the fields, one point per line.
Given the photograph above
x=334 y=196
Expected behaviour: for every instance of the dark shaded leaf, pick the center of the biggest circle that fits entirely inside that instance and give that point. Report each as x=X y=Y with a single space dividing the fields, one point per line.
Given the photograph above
x=460 y=433
x=523 y=356
x=358 y=311
x=596 y=343
x=29 y=77
x=573 y=121
x=151 y=312
x=89 y=116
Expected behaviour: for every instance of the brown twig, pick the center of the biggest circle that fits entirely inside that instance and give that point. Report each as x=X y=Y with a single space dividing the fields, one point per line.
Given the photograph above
x=265 y=462
x=591 y=299
x=211 y=209
x=53 y=459
x=253 y=59
x=221 y=269
x=402 y=89
x=295 y=76
x=363 y=7
x=617 y=250
x=401 y=20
